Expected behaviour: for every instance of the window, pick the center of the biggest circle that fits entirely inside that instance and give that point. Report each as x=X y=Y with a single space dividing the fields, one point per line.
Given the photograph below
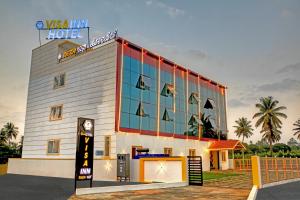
x=168 y=90
x=168 y=151
x=140 y=111
x=223 y=156
x=139 y=95
x=192 y=152
x=56 y=113
x=59 y=81
x=107 y=141
x=53 y=146
x=210 y=104
x=142 y=83
x=166 y=116
x=180 y=102
x=194 y=121
x=193 y=98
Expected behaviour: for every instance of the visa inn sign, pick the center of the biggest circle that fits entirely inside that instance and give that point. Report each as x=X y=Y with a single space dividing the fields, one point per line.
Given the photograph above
x=62 y=29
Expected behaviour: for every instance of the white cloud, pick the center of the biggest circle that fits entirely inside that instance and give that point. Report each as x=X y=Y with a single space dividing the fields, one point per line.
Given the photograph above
x=148 y=3
x=286 y=13
x=292 y=68
x=169 y=10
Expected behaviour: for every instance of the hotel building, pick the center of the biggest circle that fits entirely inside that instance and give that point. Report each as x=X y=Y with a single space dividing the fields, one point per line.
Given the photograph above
x=137 y=98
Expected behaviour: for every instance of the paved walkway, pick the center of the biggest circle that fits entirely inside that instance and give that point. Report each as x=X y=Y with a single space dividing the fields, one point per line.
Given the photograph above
x=189 y=192
x=242 y=181
x=230 y=188
x=49 y=188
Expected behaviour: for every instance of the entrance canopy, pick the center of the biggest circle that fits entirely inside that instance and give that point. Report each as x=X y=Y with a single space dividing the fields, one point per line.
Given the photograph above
x=226 y=145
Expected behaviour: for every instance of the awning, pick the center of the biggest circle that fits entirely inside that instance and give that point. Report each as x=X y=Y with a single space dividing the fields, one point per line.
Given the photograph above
x=226 y=145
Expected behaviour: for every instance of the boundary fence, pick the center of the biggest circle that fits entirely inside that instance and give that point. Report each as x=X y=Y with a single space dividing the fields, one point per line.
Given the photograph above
x=267 y=170
x=242 y=164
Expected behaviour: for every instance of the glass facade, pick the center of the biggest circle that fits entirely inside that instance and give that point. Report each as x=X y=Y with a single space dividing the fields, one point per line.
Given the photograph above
x=213 y=113
x=180 y=102
x=193 y=106
x=166 y=99
x=183 y=103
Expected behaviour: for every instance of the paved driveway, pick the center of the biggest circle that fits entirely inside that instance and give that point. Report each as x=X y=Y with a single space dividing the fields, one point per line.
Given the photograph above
x=180 y=193
x=23 y=187
x=290 y=191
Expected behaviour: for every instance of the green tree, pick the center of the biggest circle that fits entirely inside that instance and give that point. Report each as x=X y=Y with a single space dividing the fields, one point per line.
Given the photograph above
x=243 y=128
x=3 y=137
x=281 y=147
x=268 y=116
x=292 y=142
x=297 y=129
x=10 y=131
x=253 y=148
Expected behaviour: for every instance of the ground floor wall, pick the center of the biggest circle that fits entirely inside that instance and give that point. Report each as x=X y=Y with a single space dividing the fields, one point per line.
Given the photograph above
x=156 y=145
x=103 y=169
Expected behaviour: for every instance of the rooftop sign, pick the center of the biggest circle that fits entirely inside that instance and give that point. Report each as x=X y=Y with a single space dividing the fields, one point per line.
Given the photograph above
x=97 y=41
x=62 y=29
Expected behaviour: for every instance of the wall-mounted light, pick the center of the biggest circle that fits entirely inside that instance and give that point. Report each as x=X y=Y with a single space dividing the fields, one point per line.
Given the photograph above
x=161 y=168
x=108 y=166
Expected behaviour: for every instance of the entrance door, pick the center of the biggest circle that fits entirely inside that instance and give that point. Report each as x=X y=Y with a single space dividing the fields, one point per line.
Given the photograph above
x=214 y=160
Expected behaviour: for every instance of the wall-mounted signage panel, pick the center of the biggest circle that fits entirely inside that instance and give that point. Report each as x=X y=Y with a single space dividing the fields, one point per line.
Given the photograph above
x=97 y=41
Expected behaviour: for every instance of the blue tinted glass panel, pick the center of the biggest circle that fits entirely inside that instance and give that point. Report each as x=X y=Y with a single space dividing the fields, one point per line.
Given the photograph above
x=135 y=93
x=125 y=120
x=126 y=90
x=134 y=121
x=126 y=64
x=126 y=76
x=135 y=66
x=125 y=105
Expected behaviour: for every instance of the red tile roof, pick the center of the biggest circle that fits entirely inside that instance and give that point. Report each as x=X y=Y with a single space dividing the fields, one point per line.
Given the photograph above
x=226 y=145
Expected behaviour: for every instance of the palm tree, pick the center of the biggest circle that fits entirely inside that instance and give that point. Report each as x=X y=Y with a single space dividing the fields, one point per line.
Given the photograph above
x=244 y=128
x=268 y=116
x=3 y=137
x=297 y=129
x=11 y=131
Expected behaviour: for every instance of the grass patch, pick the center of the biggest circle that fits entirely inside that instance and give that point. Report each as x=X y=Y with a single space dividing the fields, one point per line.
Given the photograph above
x=217 y=175
x=3 y=169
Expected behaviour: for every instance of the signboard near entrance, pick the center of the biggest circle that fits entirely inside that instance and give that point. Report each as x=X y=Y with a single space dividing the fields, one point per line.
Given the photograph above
x=84 y=150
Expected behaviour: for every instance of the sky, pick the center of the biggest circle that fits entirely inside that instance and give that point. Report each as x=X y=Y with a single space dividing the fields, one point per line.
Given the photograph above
x=253 y=47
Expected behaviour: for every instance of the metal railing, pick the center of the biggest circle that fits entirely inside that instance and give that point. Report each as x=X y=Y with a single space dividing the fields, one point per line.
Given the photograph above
x=279 y=169
x=242 y=164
